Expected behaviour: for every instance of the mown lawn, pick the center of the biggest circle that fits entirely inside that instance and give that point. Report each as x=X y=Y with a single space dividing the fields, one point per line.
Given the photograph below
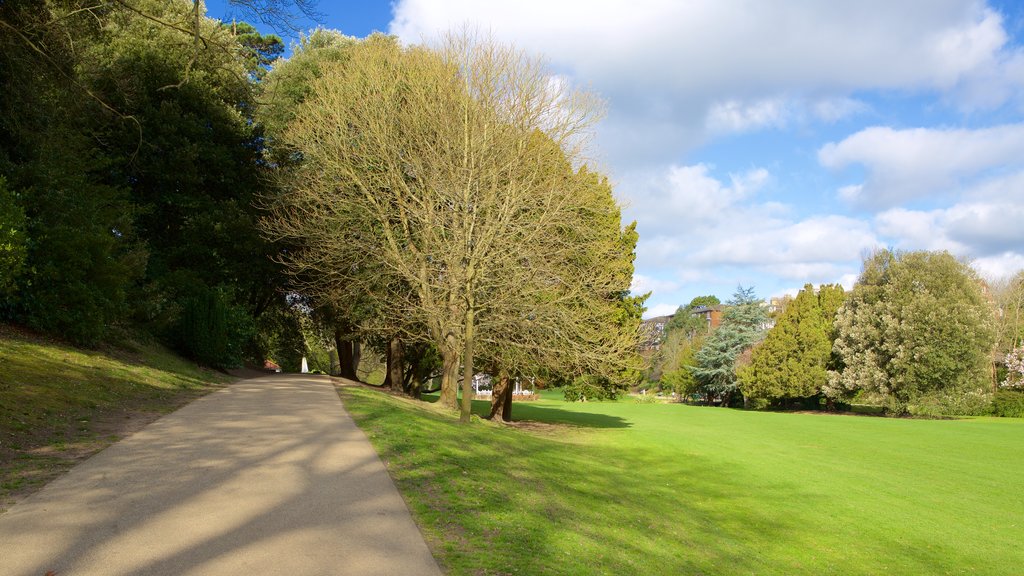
x=59 y=404
x=626 y=488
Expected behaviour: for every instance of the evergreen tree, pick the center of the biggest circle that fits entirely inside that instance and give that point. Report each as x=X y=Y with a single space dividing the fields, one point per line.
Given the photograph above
x=792 y=360
x=743 y=325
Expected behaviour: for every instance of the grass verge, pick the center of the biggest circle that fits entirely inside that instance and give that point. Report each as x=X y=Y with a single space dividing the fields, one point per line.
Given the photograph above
x=60 y=404
x=626 y=488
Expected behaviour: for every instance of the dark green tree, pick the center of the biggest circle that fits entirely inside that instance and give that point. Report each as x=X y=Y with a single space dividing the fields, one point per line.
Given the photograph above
x=12 y=238
x=791 y=362
x=743 y=325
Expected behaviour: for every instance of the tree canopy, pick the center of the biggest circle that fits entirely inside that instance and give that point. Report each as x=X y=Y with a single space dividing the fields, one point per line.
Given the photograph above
x=440 y=184
x=743 y=324
x=792 y=360
x=915 y=332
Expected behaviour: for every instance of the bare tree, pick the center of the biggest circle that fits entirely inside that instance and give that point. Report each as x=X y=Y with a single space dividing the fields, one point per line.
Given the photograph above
x=440 y=184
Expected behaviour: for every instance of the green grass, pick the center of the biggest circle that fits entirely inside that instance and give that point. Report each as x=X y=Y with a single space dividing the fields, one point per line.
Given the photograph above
x=627 y=488
x=59 y=404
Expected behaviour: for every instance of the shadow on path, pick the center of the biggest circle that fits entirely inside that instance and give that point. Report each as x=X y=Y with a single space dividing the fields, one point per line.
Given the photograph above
x=267 y=476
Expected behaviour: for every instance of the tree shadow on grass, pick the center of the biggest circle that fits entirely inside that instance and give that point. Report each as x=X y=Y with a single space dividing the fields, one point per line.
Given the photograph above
x=508 y=501
x=528 y=412
x=522 y=411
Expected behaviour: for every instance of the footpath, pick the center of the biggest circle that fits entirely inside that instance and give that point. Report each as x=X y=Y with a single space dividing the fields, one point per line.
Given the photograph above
x=267 y=476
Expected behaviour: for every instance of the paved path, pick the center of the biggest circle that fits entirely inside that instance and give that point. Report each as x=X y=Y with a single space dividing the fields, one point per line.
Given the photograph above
x=268 y=476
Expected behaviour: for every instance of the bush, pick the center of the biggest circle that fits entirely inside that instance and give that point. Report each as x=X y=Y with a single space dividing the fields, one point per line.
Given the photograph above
x=1008 y=404
x=212 y=330
x=973 y=403
x=12 y=238
x=590 y=387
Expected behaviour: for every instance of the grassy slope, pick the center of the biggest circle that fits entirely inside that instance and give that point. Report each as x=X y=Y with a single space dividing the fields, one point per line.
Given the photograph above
x=59 y=404
x=671 y=489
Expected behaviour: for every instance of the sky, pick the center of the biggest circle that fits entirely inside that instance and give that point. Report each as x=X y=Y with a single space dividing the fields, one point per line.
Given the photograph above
x=774 y=144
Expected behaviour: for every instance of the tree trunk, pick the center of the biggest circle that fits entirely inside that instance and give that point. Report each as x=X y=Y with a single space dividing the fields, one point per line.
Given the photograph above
x=357 y=354
x=411 y=384
x=501 y=389
x=345 y=366
x=396 y=372
x=506 y=406
x=467 y=374
x=449 y=375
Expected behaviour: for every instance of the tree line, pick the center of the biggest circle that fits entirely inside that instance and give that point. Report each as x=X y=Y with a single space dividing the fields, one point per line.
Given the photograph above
x=166 y=174
x=920 y=333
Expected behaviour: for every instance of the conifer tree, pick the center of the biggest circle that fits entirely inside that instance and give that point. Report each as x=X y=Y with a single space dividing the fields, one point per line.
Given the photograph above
x=792 y=360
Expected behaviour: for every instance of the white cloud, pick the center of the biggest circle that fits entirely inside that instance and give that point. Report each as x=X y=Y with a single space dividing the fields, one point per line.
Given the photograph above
x=696 y=222
x=654 y=310
x=733 y=116
x=642 y=284
x=999 y=266
x=672 y=70
x=903 y=165
x=836 y=109
x=677 y=197
x=676 y=74
x=973 y=229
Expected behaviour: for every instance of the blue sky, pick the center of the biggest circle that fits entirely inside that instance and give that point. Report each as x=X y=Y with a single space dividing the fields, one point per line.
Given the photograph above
x=774 y=144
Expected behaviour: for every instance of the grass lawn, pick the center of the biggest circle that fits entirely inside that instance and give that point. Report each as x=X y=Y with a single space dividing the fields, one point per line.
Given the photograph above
x=627 y=488
x=60 y=404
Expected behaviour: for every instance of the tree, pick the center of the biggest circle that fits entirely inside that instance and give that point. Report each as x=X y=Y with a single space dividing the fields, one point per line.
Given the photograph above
x=12 y=238
x=1008 y=300
x=916 y=331
x=678 y=332
x=679 y=376
x=444 y=178
x=81 y=255
x=792 y=360
x=743 y=324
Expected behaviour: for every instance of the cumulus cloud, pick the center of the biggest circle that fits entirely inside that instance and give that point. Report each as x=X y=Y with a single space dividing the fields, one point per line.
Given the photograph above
x=698 y=225
x=903 y=165
x=676 y=74
x=642 y=284
x=974 y=229
x=654 y=310
x=714 y=64
x=779 y=112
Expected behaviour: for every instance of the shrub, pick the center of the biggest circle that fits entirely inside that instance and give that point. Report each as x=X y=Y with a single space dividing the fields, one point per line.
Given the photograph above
x=1008 y=404
x=974 y=403
x=212 y=330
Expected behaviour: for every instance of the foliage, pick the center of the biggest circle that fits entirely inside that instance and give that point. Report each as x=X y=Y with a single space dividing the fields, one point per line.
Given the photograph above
x=12 y=238
x=915 y=326
x=260 y=49
x=438 y=184
x=1008 y=403
x=131 y=145
x=680 y=378
x=290 y=82
x=1014 y=369
x=213 y=330
x=791 y=362
x=743 y=325
x=590 y=387
x=675 y=339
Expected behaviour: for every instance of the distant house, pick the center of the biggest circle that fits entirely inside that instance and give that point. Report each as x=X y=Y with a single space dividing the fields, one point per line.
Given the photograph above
x=711 y=314
x=653 y=331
